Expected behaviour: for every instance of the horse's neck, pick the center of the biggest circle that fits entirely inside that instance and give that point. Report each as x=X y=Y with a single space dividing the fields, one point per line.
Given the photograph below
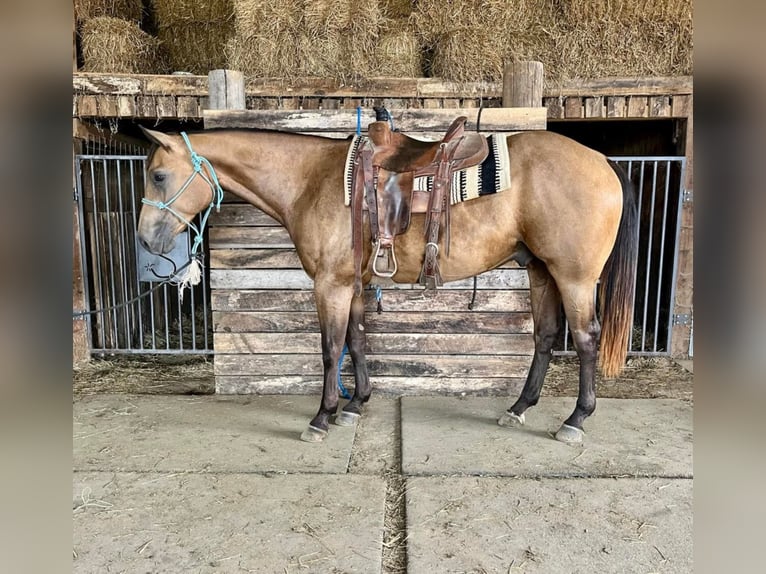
x=263 y=168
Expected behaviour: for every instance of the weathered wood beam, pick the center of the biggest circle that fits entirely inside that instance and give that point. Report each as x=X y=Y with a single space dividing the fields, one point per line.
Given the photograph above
x=492 y=119
x=99 y=83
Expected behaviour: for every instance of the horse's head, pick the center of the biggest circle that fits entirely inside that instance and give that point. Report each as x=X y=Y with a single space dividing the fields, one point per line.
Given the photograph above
x=178 y=187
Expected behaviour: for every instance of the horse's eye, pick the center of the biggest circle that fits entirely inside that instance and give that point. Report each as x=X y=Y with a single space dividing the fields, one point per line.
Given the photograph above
x=158 y=177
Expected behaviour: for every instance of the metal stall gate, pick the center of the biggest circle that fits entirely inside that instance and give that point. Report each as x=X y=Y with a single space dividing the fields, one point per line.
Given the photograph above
x=659 y=187
x=109 y=191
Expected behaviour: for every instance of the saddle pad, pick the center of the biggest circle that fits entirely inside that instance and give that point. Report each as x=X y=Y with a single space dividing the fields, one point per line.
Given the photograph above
x=492 y=176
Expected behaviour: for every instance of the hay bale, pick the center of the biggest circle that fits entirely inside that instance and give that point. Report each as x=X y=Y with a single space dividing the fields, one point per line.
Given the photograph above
x=360 y=39
x=194 y=32
x=262 y=56
x=131 y=10
x=575 y=12
x=263 y=43
x=612 y=48
x=119 y=46
x=396 y=9
x=169 y=12
x=193 y=48
x=261 y=17
x=398 y=53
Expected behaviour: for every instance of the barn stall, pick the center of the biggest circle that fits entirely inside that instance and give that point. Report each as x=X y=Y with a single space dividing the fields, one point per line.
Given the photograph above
x=256 y=312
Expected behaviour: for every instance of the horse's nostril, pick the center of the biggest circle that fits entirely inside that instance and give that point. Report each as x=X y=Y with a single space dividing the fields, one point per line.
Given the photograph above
x=144 y=243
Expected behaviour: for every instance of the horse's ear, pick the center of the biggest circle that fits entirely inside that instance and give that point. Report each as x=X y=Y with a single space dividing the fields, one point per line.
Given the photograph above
x=159 y=138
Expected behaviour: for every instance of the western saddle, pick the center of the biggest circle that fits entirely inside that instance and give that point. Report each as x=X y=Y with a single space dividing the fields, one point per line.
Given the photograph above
x=383 y=173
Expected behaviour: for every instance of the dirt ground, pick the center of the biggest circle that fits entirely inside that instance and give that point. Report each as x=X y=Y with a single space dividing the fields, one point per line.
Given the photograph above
x=643 y=378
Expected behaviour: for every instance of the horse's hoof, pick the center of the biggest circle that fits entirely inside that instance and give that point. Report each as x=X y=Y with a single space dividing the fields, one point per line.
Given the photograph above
x=511 y=419
x=346 y=419
x=313 y=434
x=570 y=434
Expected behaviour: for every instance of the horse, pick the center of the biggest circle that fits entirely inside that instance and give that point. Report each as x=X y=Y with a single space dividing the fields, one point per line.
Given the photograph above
x=569 y=217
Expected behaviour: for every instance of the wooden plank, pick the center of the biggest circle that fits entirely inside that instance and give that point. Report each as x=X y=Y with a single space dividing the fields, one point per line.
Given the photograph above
x=87 y=106
x=394 y=300
x=555 y=107
x=108 y=107
x=684 y=279
x=522 y=84
x=254 y=259
x=638 y=107
x=448 y=366
x=249 y=237
x=624 y=86
x=681 y=106
x=126 y=106
x=80 y=342
x=492 y=119
x=380 y=343
x=166 y=106
x=456 y=322
x=241 y=214
x=146 y=106
x=101 y=83
x=390 y=386
x=188 y=107
x=594 y=107
x=573 y=107
x=659 y=107
x=297 y=279
x=615 y=107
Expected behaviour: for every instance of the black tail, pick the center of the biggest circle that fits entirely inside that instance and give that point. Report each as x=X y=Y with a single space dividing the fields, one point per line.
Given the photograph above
x=618 y=283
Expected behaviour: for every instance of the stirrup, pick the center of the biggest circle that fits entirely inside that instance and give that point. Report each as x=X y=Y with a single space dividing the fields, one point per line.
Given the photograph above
x=375 y=271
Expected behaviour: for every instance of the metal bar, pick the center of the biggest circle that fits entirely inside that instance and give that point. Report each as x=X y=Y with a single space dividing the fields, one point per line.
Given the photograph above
x=662 y=254
x=96 y=249
x=638 y=233
x=123 y=257
x=139 y=304
x=98 y=351
x=649 y=258
x=112 y=282
x=180 y=320
x=205 y=311
x=166 y=315
x=102 y=156
x=155 y=294
x=672 y=306
x=193 y=317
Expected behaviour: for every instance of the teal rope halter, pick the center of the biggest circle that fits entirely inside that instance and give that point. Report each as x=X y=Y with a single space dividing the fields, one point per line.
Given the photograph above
x=197 y=162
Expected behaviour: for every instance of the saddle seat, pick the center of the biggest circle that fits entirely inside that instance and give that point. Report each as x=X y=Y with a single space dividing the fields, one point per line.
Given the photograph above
x=383 y=184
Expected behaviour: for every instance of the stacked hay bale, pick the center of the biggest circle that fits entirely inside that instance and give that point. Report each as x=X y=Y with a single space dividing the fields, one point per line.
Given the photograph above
x=263 y=42
x=119 y=46
x=399 y=53
x=600 y=38
x=130 y=10
x=111 y=38
x=194 y=32
x=285 y=38
x=466 y=39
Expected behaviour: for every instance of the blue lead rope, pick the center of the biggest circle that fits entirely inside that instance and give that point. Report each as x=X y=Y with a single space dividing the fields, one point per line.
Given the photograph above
x=343 y=391
x=358 y=120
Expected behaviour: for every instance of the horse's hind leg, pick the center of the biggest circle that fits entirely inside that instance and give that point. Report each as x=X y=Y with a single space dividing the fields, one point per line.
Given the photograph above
x=546 y=307
x=579 y=307
x=333 y=301
x=356 y=341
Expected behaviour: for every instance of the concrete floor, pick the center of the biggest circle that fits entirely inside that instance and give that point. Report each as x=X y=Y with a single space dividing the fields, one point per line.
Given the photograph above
x=211 y=484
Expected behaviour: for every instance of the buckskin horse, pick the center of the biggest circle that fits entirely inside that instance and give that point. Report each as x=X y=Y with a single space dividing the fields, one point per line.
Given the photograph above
x=569 y=217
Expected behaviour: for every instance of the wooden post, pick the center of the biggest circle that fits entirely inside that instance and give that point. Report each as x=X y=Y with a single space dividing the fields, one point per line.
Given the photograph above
x=226 y=90
x=80 y=343
x=523 y=85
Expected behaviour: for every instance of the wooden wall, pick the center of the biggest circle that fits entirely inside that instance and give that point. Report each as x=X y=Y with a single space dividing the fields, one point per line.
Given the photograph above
x=266 y=333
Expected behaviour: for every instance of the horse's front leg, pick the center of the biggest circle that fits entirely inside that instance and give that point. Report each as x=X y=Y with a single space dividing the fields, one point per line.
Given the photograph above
x=356 y=341
x=333 y=302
